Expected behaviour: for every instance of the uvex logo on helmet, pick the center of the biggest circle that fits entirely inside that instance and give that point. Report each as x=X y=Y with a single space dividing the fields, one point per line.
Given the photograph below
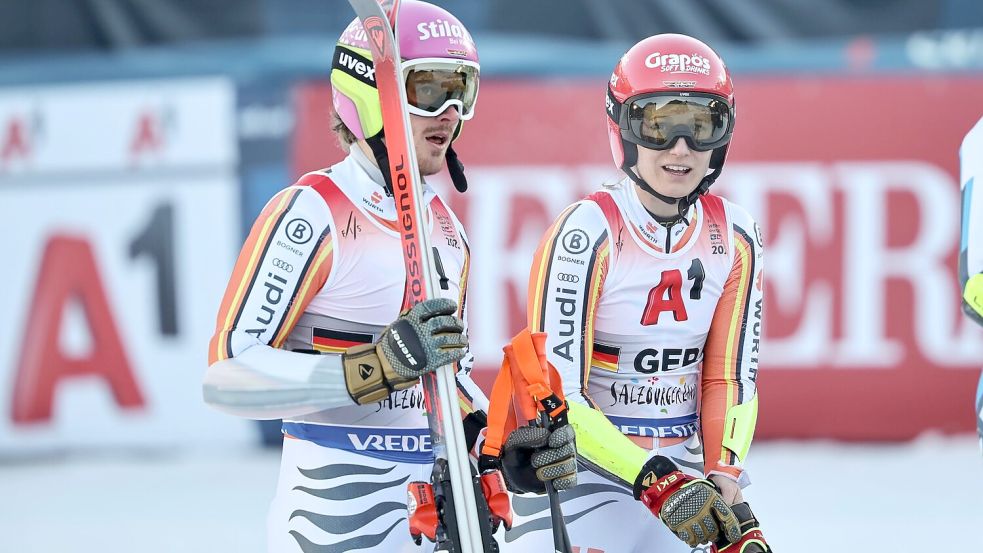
x=679 y=63
x=355 y=66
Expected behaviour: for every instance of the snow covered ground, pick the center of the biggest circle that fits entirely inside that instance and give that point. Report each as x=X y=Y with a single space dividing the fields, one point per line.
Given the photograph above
x=811 y=497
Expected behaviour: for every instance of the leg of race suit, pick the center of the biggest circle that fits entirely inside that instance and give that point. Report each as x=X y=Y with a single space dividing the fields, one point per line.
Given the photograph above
x=350 y=502
x=602 y=517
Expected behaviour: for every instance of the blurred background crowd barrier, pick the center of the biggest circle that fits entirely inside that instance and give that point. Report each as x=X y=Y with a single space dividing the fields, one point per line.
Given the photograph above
x=139 y=139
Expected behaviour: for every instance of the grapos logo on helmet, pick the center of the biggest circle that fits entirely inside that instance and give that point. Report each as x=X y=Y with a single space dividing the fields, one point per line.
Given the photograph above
x=679 y=63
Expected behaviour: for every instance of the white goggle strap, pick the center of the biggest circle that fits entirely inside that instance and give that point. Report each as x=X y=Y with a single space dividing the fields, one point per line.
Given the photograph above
x=442 y=64
x=459 y=104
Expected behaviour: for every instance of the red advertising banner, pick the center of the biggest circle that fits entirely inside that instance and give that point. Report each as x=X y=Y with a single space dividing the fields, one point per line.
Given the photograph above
x=854 y=181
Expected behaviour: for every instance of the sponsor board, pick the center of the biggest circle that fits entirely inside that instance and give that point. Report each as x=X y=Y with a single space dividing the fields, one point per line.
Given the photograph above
x=116 y=270
x=126 y=126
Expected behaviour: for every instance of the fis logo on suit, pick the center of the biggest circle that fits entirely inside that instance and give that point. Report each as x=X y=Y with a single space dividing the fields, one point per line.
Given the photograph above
x=352 y=228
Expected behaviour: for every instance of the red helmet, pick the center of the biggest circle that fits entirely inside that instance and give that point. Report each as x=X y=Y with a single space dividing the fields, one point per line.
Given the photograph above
x=679 y=72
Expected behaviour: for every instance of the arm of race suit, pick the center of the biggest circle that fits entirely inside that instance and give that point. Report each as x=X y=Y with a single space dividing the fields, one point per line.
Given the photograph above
x=248 y=375
x=682 y=502
x=729 y=403
x=565 y=281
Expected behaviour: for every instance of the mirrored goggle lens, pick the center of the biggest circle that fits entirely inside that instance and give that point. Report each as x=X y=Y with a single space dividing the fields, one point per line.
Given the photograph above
x=658 y=121
x=433 y=90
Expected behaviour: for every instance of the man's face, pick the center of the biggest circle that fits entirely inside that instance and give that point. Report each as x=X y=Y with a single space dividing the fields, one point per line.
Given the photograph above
x=432 y=136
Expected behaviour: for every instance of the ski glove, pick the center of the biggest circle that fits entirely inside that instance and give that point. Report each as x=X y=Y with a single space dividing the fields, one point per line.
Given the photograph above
x=752 y=540
x=425 y=337
x=533 y=456
x=692 y=508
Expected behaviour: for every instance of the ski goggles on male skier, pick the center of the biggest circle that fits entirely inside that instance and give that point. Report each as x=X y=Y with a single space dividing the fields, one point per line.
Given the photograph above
x=656 y=121
x=435 y=84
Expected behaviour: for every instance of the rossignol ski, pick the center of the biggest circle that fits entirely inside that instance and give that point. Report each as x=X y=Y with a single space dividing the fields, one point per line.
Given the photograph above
x=450 y=511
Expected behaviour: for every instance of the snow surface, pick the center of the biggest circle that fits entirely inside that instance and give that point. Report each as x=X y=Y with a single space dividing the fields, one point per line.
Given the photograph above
x=812 y=497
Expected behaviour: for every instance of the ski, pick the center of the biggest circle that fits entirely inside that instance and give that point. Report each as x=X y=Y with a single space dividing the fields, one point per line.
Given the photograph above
x=461 y=528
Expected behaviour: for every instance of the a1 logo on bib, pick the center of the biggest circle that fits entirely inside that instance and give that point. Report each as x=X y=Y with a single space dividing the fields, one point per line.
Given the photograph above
x=299 y=231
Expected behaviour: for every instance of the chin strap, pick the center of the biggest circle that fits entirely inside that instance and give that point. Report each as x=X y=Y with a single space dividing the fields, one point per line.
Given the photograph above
x=382 y=159
x=456 y=169
x=454 y=165
x=682 y=203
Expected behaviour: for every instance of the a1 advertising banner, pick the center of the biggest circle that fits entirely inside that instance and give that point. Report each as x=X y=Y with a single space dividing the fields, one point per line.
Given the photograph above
x=119 y=221
x=854 y=183
x=116 y=127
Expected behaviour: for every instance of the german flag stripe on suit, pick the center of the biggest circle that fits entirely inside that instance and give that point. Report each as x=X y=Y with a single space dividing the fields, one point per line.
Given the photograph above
x=337 y=341
x=605 y=357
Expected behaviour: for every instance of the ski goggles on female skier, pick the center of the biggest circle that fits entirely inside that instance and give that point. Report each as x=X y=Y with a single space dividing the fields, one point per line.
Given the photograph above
x=435 y=84
x=705 y=121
